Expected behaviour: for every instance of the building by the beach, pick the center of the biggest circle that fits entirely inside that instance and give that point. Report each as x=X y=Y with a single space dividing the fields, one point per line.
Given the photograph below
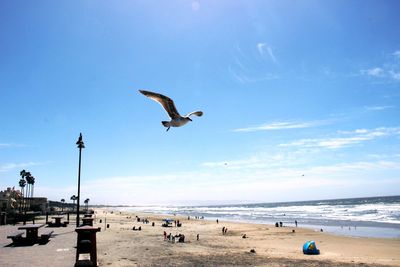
x=10 y=200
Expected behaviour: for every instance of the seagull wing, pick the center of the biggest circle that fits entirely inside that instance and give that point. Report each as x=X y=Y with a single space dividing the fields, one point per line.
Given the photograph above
x=165 y=101
x=197 y=113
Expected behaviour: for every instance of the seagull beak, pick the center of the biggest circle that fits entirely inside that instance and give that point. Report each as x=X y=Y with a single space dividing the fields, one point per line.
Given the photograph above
x=189 y=119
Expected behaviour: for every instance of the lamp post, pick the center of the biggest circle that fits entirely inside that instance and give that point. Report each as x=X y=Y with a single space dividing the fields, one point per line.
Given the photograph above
x=80 y=146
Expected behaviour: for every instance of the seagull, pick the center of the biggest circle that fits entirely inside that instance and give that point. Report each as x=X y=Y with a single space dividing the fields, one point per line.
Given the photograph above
x=169 y=106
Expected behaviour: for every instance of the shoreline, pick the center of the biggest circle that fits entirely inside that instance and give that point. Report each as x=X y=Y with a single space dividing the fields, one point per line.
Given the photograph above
x=338 y=227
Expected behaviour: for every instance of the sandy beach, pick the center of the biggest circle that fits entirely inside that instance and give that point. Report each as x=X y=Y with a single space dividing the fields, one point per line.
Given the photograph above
x=119 y=245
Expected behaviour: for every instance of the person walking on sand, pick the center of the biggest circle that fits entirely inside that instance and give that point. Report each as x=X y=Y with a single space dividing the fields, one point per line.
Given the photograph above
x=165 y=235
x=295 y=222
x=223 y=230
x=226 y=229
x=198 y=237
x=217 y=220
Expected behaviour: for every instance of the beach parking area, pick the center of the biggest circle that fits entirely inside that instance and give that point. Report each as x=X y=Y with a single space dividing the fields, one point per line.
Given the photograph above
x=119 y=245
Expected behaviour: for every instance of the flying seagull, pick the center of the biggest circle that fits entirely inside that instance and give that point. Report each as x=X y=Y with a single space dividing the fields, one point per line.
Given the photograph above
x=169 y=106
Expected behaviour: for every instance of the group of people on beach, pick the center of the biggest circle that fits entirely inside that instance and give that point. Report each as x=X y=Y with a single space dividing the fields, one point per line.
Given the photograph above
x=280 y=224
x=224 y=230
x=173 y=238
x=145 y=220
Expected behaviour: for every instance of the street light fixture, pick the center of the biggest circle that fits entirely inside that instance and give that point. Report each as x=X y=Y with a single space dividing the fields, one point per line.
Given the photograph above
x=80 y=146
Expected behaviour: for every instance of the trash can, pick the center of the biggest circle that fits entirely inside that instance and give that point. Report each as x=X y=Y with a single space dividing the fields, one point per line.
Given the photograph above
x=3 y=218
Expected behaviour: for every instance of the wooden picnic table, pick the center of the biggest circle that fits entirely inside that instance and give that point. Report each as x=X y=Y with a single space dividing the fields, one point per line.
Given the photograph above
x=58 y=219
x=31 y=231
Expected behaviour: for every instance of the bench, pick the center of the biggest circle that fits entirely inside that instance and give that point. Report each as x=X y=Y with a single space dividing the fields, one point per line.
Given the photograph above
x=17 y=237
x=44 y=238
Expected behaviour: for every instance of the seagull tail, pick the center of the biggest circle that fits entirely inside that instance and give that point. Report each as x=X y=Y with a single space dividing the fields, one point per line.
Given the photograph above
x=166 y=124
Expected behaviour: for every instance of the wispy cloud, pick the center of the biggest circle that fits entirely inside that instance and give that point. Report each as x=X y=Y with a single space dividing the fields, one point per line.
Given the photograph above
x=257 y=181
x=396 y=54
x=282 y=125
x=356 y=166
x=259 y=175
x=242 y=77
x=375 y=72
x=11 y=166
x=254 y=162
x=263 y=49
x=286 y=165
x=4 y=145
x=247 y=68
x=395 y=75
x=389 y=69
x=378 y=108
x=347 y=138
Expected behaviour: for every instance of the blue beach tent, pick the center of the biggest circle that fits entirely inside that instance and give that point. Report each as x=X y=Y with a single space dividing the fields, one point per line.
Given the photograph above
x=310 y=248
x=167 y=222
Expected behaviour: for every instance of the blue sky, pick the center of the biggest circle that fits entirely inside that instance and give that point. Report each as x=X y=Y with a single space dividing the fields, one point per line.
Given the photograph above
x=288 y=88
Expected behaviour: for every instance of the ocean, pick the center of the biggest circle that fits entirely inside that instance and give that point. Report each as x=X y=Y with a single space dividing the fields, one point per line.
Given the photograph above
x=360 y=217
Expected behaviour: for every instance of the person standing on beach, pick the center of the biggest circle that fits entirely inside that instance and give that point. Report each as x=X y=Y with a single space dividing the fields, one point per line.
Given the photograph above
x=217 y=220
x=295 y=222
x=165 y=235
x=226 y=229
x=223 y=230
x=198 y=237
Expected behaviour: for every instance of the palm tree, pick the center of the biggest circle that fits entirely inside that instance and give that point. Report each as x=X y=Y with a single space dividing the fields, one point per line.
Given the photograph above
x=30 y=180
x=87 y=203
x=22 y=184
x=73 y=198
x=62 y=205
x=32 y=183
x=23 y=174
